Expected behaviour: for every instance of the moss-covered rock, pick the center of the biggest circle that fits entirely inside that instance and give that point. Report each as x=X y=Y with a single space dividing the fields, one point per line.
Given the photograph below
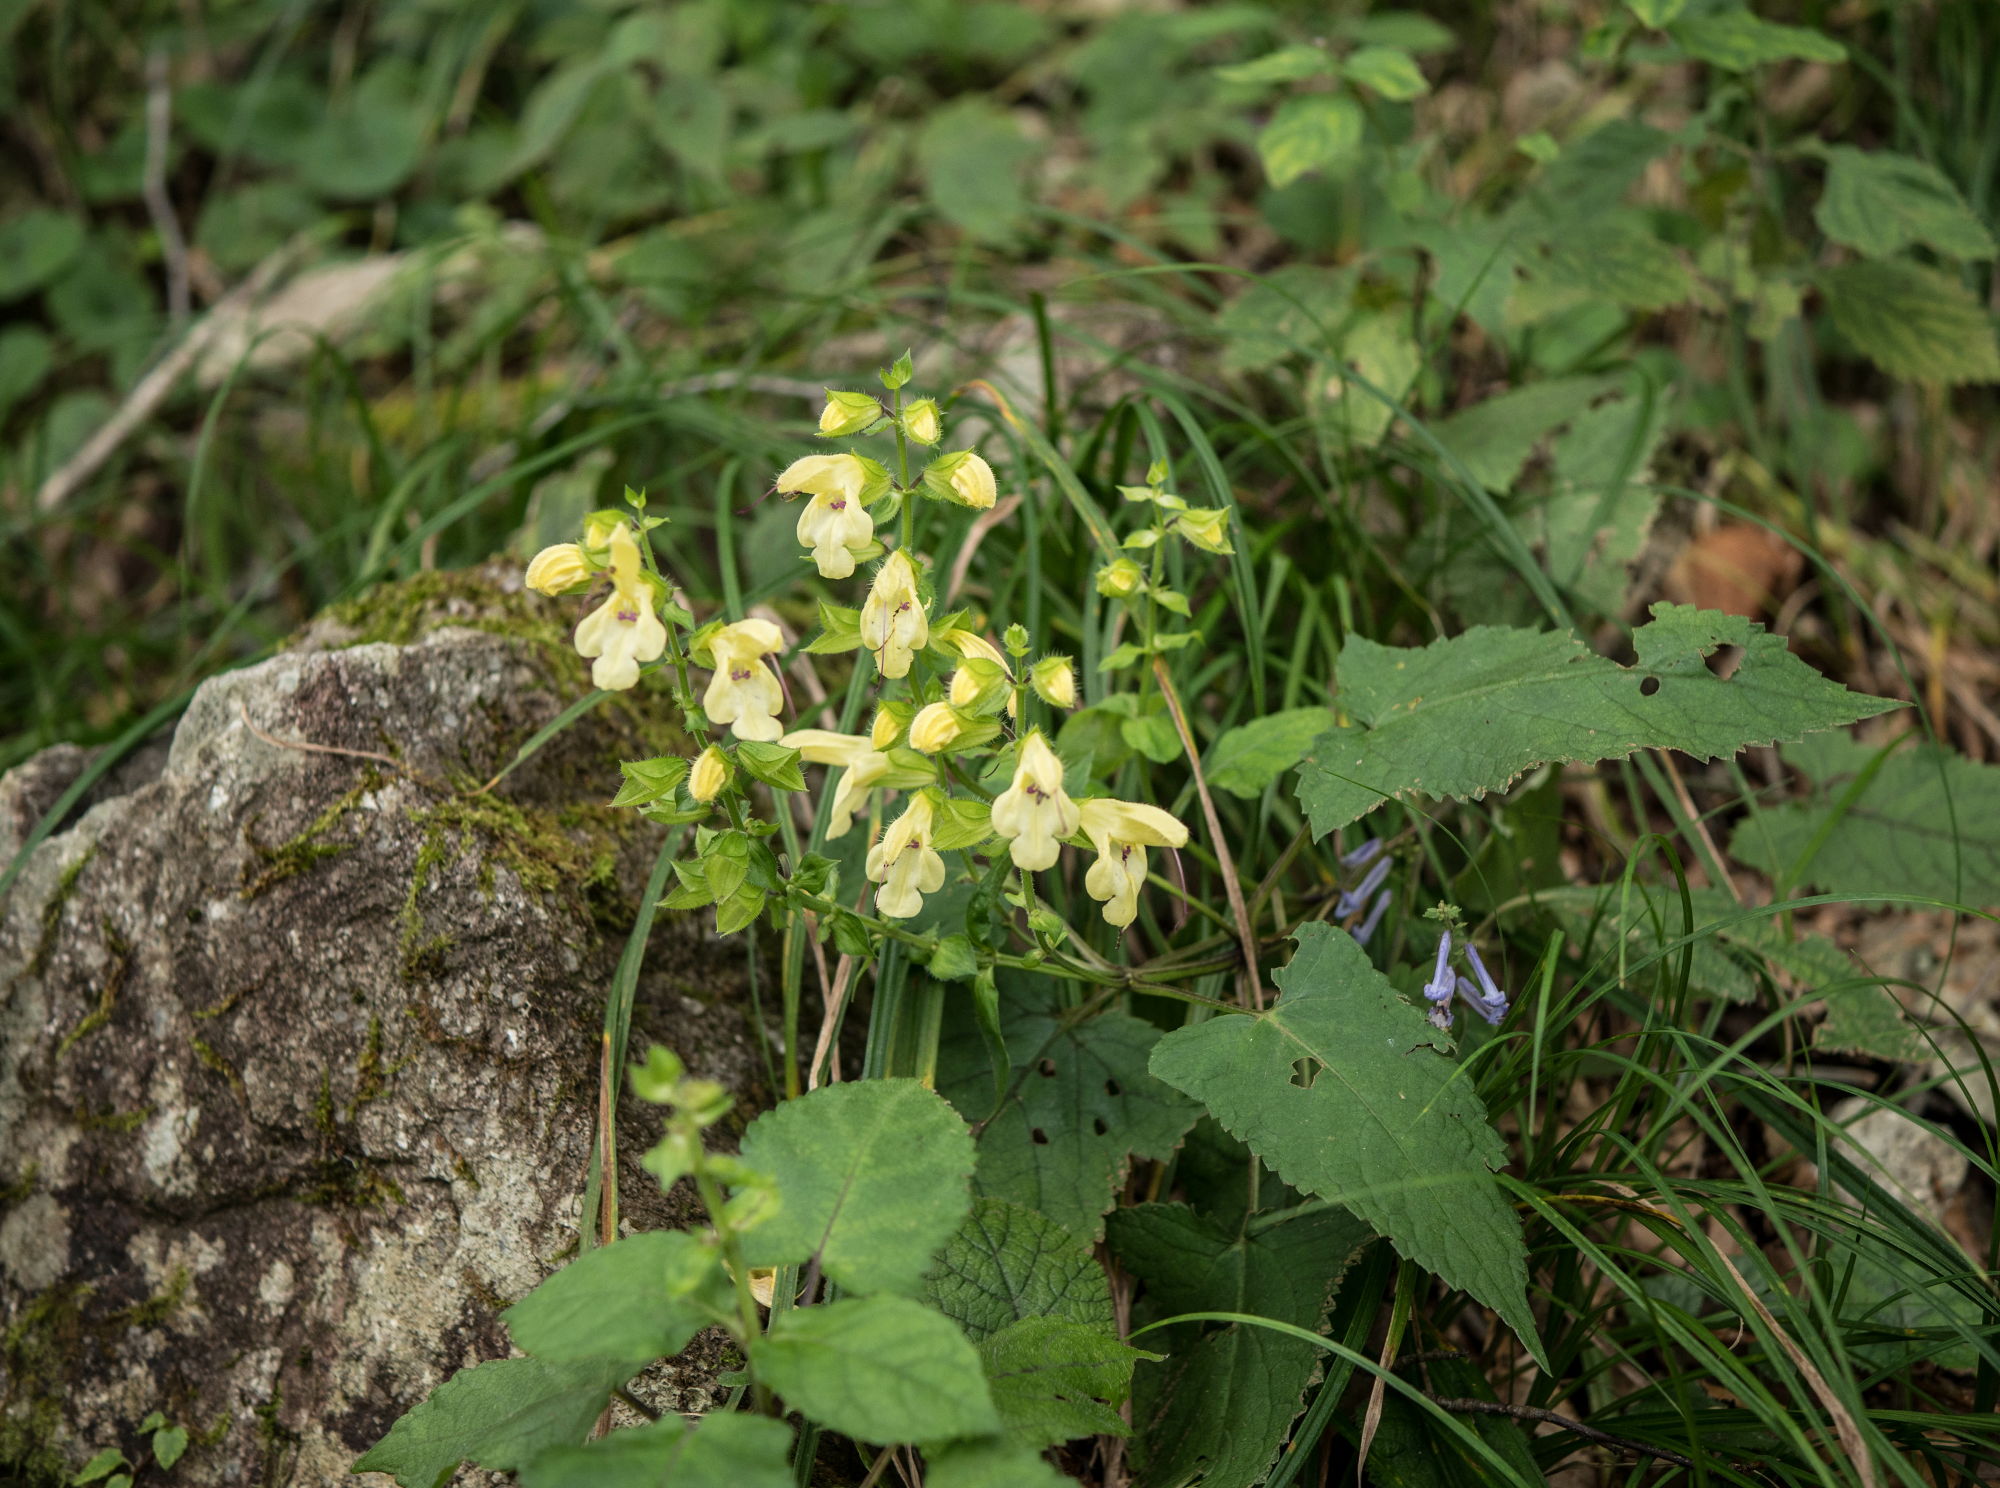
x=298 y=1046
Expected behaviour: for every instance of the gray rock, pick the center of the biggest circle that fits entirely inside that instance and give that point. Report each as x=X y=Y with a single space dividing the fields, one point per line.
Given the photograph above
x=298 y=1049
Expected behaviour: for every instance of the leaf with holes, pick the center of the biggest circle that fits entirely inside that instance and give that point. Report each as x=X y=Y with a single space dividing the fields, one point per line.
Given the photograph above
x=723 y=1449
x=1008 y=1262
x=1054 y=1380
x=879 y=1369
x=1468 y=715
x=1080 y=1106
x=1221 y=1403
x=872 y=1175
x=1389 y=1126
x=1925 y=820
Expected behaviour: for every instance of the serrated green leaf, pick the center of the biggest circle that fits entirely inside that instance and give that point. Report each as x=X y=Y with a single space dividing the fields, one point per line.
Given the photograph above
x=954 y=960
x=994 y=1462
x=1738 y=41
x=739 y=909
x=1008 y=1262
x=1594 y=523
x=1248 y=758
x=773 y=764
x=1220 y=1405
x=723 y=1449
x=879 y=1369
x=1494 y=439
x=1054 y=1380
x=1082 y=1103
x=1912 y=322
x=637 y=1299
x=498 y=1414
x=1928 y=822
x=1292 y=309
x=35 y=247
x=649 y=780
x=969 y=154
x=1865 y=1018
x=1879 y=203
x=1621 y=261
x=1389 y=71
x=874 y=1176
x=1415 y=1156
x=1465 y=716
x=840 y=631
x=1312 y=133
x=1384 y=351
x=1290 y=64
x=100 y=1466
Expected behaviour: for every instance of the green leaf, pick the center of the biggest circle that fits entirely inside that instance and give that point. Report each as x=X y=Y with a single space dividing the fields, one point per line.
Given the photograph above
x=25 y=358
x=1912 y=322
x=1290 y=64
x=970 y=155
x=1494 y=439
x=1309 y=134
x=1054 y=1380
x=35 y=247
x=1879 y=203
x=1008 y=1262
x=1400 y=28
x=498 y=1414
x=1220 y=1406
x=1081 y=1105
x=1738 y=41
x=636 y=1300
x=1594 y=523
x=1465 y=716
x=1592 y=174
x=1621 y=261
x=101 y=302
x=370 y=147
x=169 y=1444
x=773 y=764
x=649 y=780
x=101 y=1466
x=1389 y=71
x=1153 y=735
x=1928 y=822
x=723 y=1449
x=874 y=1179
x=1658 y=14
x=840 y=630
x=958 y=823
x=1248 y=758
x=1865 y=1018
x=1414 y=1156
x=1383 y=350
x=1292 y=309
x=995 y=1462
x=954 y=960
x=879 y=1369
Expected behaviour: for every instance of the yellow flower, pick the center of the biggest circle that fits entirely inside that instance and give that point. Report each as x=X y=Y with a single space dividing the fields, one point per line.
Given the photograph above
x=1035 y=812
x=904 y=863
x=558 y=570
x=922 y=422
x=624 y=630
x=847 y=413
x=1055 y=680
x=709 y=775
x=1120 y=578
x=744 y=692
x=935 y=727
x=888 y=725
x=1121 y=831
x=972 y=483
x=1205 y=527
x=834 y=521
x=861 y=767
x=893 y=623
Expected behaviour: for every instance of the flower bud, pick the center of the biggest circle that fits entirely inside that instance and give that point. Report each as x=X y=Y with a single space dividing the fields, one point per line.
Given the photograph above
x=1120 y=578
x=890 y=721
x=1054 y=681
x=980 y=684
x=935 y=727
x=1206 y=527
x=558 y=569
x=847 y=413
x=709 y=775
x=922 y=421
x=972 y=484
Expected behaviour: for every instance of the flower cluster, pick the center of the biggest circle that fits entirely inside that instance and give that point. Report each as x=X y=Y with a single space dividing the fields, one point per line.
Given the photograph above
x=1484 y=996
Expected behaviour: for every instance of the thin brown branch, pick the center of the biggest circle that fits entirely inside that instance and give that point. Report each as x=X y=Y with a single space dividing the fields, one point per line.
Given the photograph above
x=305 y=746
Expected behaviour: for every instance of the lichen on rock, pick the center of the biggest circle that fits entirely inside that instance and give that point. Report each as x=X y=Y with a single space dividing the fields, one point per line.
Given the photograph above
x=298 y=1048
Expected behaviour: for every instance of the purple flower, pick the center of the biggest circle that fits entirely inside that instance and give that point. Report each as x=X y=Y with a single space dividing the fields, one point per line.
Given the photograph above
x=1440 y=987
x=1352 y=900
x=1361 y=854
x=1374 y=918
x=1492 y=1001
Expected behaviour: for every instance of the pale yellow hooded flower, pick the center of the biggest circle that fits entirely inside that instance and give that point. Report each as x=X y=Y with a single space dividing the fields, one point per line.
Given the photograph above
x=921 y=421
x=1035 y=812
x=973 y=485
x=1121 y=831
x=558 y=569
x=893 y=623
x=834 y=522
x=905 y=864
x=935 y=727
x=709 y=775
x=861 y=765
x=1206 y=527
x=744 y=692
x=625 y=630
